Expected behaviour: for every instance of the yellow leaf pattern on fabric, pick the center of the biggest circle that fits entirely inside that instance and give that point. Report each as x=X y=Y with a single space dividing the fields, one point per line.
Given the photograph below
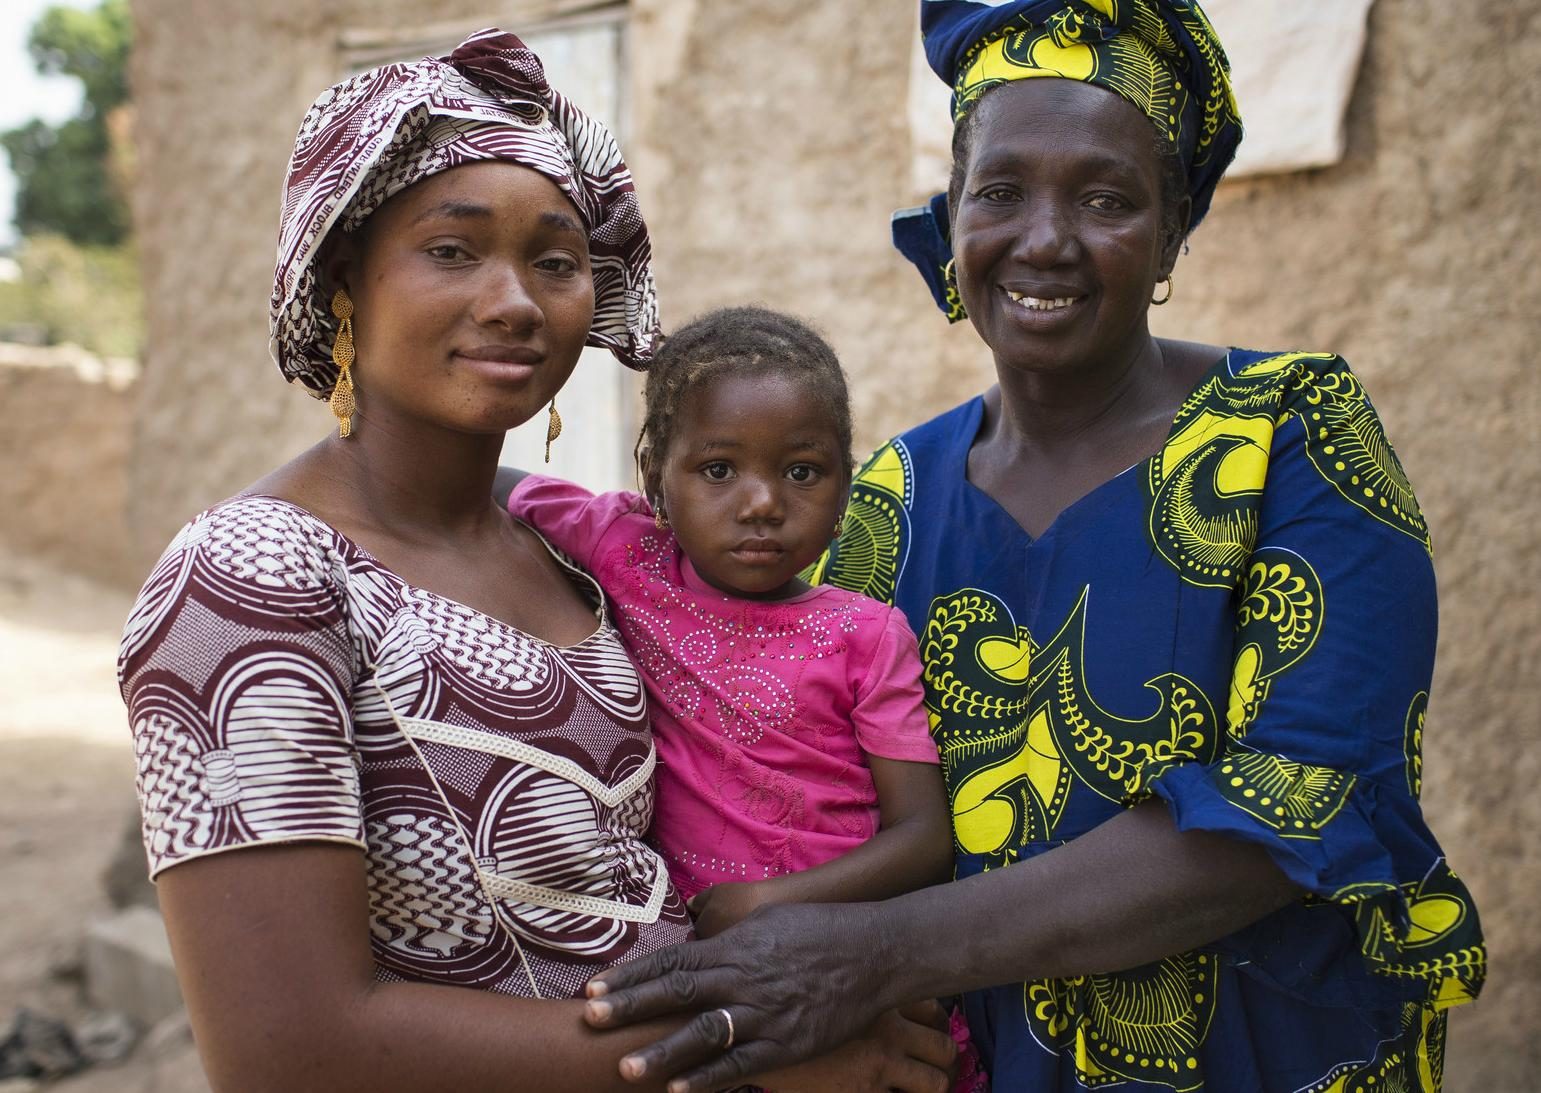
x=869 y=549
x=1206 y=481
x=1436 y=938
x=1015 y=720
x=1412 y=742
x=1296 y=800
x=1145 y=1024
x=1348 y=446
x=1027 y=749
x=1279 y=617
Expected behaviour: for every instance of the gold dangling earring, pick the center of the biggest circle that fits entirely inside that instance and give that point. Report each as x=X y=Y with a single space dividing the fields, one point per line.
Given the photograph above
x=553 y=429
x=660 y=521
x=341 y=400
x=840 y=525
x=1168 y=296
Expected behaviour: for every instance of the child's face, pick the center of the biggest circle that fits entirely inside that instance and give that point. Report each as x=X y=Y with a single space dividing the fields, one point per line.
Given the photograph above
x=753 y=483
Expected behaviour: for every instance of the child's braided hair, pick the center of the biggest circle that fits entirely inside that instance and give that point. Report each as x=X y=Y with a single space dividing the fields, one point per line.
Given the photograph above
x=744 y=341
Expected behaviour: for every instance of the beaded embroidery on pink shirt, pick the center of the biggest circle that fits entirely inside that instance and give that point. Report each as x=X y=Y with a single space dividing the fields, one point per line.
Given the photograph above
x=721 y=649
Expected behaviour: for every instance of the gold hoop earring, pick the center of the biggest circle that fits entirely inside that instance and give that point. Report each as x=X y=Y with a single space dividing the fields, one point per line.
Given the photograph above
x=1168 y=296
x=553 y=428
x=341 y=401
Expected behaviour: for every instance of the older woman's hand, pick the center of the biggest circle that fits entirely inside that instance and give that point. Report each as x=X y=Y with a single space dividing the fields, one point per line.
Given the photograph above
x=797 y=980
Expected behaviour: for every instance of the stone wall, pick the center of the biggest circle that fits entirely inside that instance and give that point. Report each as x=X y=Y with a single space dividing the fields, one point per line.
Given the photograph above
x=65 y=422
x=770 y=145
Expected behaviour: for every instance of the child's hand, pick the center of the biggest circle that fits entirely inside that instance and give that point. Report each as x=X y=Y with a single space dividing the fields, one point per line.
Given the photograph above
x=722 y=905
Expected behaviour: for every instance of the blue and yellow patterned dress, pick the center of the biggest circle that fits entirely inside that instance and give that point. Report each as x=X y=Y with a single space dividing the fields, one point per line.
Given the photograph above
x=1242 y=625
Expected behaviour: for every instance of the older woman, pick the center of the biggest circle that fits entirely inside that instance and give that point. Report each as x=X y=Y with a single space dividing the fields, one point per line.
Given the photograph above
x=1177 y=613
x=394 y=763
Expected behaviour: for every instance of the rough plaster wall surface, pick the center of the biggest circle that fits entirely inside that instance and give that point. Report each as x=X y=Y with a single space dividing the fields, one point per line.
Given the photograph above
x=773 y=149
x=220 y=87
x=768 y=167
x=67 y=426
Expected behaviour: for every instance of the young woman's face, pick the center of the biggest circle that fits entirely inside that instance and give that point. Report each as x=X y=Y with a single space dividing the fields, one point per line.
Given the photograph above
x=1058 y=232
x=753 y=482
x=472 y=299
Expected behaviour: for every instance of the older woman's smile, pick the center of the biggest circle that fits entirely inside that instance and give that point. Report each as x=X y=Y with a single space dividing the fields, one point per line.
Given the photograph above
x=1043 y=303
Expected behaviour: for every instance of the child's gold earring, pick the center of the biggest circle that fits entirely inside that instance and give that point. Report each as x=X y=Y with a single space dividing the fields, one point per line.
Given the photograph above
x=341 y=400
x=660 y=521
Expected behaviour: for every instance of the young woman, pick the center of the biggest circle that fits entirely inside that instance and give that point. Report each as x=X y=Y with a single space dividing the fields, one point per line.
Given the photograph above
x=394 y=763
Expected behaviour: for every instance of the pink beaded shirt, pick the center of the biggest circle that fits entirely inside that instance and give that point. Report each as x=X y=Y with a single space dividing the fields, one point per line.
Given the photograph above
x=763 y=713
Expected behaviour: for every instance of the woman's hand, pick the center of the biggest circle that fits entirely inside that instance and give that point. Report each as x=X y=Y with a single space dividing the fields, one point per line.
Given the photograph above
x=725 y=905
x=797 y=979
x=800 y=978
x=907 y=1049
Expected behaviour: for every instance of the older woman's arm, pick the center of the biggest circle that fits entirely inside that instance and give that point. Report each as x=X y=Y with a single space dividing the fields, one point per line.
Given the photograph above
x=1129 y=892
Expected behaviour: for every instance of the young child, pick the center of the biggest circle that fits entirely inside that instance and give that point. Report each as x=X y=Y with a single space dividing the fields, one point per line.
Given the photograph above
x=795 y=761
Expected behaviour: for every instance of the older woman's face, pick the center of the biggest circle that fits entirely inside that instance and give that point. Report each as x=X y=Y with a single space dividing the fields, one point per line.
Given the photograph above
x=1057 y=232
x=472 y=298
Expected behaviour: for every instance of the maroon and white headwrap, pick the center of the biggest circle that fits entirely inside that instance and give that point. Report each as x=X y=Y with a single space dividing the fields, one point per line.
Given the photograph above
x=373 y=135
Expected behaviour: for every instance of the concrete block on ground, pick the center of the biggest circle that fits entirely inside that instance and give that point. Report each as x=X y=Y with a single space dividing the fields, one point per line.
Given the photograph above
x=128 y=966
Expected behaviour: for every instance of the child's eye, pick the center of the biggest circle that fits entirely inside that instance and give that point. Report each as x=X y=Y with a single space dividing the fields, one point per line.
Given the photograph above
x=802 y=472
x=717 y=472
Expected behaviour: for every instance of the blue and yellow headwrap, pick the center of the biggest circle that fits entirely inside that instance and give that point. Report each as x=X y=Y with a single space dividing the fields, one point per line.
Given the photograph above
x=1161 y=55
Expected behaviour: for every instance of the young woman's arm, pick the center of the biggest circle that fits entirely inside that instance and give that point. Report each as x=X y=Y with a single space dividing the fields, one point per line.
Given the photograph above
x=272 y=951
x=912 y=850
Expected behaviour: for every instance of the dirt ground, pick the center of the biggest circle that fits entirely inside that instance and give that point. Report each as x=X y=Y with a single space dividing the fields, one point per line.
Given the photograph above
x=66 y=792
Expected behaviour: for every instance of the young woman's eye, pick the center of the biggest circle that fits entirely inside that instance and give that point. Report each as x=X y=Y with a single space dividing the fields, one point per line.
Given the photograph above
x=717 y=472
x=802 y=472
x=448 y=252
x=558 y=264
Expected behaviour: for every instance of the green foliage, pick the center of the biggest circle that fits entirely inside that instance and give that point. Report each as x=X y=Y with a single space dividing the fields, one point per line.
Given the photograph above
x=90 y=45
x=64 y=175
x=79 y=275
x=64 y=184
x=88 y=296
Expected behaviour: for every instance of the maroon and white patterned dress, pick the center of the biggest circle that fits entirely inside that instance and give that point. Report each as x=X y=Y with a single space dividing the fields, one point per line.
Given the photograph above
x=284 y=686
